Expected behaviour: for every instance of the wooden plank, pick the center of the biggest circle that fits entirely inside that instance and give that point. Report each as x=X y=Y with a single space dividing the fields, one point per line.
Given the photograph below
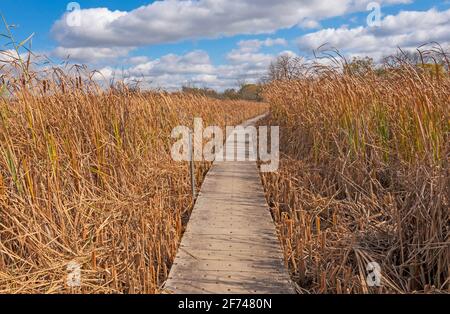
x=230 y=245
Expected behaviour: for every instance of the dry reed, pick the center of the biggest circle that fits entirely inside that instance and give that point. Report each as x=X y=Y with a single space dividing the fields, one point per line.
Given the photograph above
x=364 y=177
x=86 y=175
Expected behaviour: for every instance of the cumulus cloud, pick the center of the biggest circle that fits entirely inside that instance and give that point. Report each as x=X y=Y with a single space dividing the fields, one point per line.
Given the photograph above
x=248 y=52
x=256 y=44
x=309 y=24
x=247 y=62
x=91 y=54
x=169 y=72
x=104 y=35
x=239 y=57
x=173 y=71
x=172 y=20
x=192 y=63
x=138 y=59
x=407 y=30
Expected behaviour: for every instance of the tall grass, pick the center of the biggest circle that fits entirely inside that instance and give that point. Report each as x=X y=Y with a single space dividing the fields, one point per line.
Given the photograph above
x=86 y=175
x=364 y=178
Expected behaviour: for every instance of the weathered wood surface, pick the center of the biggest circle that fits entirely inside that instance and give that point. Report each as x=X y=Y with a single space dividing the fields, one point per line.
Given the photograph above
x=230 y=245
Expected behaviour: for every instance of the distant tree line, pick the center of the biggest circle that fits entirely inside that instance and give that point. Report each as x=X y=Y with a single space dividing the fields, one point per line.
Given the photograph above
x=251 y=92
x=288 y=67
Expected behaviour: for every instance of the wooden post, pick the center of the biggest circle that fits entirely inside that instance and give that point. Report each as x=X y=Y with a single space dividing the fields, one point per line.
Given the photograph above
x=192 y=165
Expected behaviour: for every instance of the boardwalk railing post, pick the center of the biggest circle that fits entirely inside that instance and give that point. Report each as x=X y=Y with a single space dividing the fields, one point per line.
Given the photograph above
x=191 y=162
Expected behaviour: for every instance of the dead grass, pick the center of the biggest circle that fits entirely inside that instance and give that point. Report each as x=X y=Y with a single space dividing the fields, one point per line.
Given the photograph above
x=86 y=175
x=364 y=177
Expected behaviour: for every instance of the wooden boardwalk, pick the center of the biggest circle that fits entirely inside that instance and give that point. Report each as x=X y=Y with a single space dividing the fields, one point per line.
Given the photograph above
x=230 y=245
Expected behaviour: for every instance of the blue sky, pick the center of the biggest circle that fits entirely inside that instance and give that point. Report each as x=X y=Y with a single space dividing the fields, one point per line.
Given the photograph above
x=217 y=43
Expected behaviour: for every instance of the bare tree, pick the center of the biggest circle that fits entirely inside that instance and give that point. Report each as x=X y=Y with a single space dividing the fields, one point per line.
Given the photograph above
x=285 y=67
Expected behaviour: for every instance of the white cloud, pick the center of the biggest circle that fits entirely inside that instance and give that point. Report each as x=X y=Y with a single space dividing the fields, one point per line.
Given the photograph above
x=91 y=54
x=169 y=71
x=289 y=53
x=196 y=62
x=310 y=24
x=104 y=75
x=407 y=30
x=172 y=71
x=247 y=62
x=269 y=42
x=239 y=57
x=172 y=20
x=138 y=60
x=253 y=45
x=106 y=35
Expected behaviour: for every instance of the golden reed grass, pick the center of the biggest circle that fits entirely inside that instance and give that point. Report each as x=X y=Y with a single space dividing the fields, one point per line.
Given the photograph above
x=86 y=175
x=364 y=177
